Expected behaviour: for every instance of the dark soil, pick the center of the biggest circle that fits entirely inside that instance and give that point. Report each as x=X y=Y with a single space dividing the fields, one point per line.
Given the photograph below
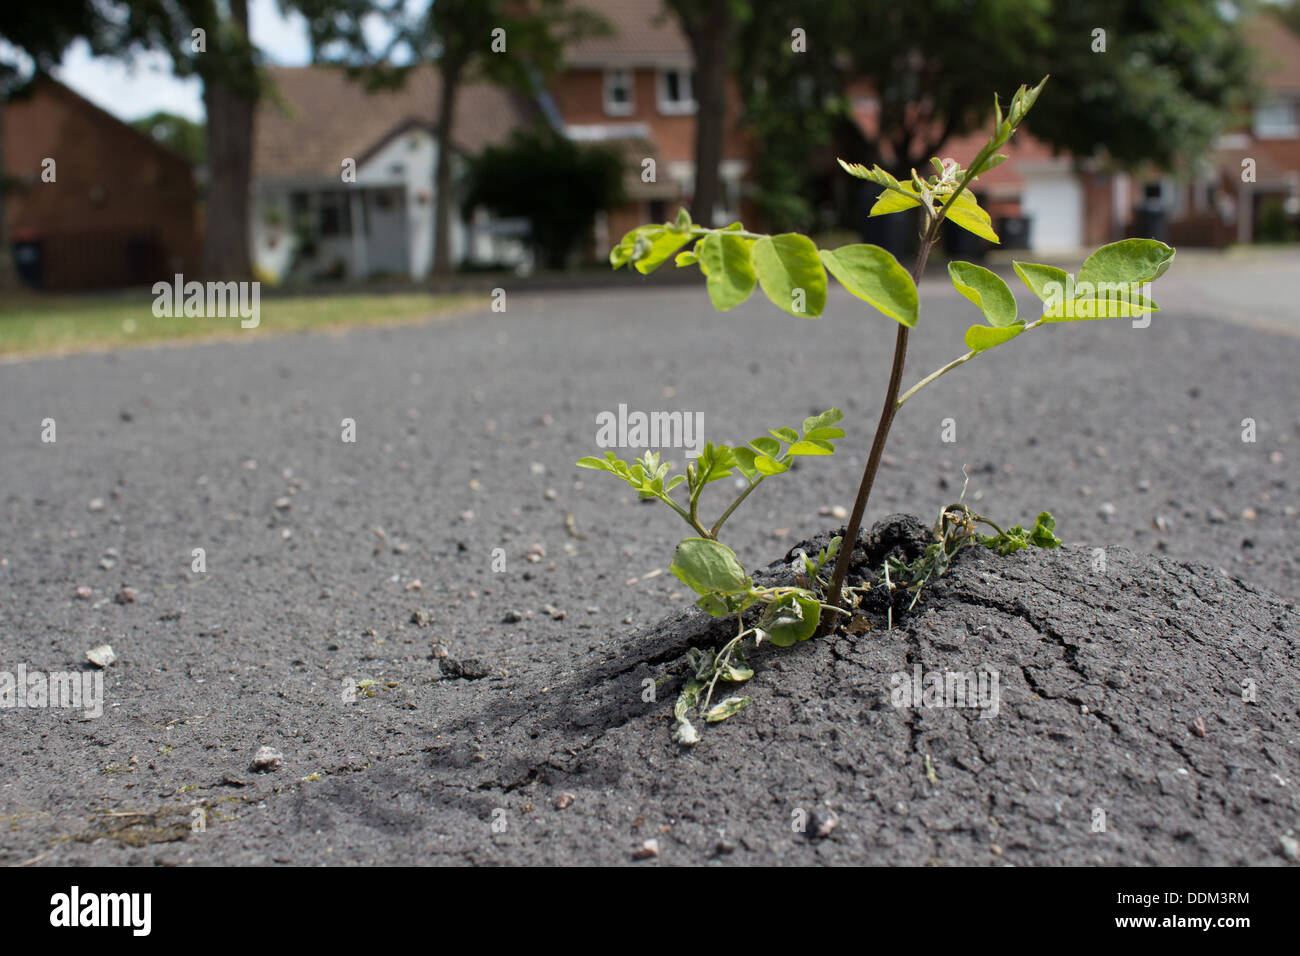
x=1121 y=693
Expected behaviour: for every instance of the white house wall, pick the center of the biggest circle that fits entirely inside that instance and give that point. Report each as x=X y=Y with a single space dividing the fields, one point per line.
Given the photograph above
x=410 y=160
x=407 y=161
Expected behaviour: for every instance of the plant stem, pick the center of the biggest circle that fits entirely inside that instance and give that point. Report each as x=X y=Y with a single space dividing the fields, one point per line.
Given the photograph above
x=932 y=376
x=733 y=506
x=882 y=428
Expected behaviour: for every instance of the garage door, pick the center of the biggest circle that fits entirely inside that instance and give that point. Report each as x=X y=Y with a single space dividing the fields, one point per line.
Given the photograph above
x=1055 y=204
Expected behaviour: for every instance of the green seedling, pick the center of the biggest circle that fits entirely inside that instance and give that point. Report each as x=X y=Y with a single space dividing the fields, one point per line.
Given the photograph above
x=794 y=274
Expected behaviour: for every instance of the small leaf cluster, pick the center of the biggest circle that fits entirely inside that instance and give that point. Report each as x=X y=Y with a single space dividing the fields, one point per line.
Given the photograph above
x=1106 y=288
x=1042 y=535
x=767 y=455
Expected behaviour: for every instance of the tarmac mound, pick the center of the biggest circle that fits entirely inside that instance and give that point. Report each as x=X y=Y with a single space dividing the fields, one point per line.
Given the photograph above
x=1041 y=708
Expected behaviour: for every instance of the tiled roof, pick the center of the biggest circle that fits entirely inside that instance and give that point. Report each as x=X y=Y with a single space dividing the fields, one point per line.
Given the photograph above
x=321 y=117
x=644 y=33
x=1277 y=53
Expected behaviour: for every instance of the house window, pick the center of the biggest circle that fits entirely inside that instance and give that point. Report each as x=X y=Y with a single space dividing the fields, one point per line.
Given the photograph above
x=335 y=214
x=1276 y=119
x=620 y=98
x=676 y=92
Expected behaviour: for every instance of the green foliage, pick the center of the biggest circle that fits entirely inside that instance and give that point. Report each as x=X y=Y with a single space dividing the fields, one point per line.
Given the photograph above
x=581 y=180
x=793 y=275
x=1042 y=535
x=177 y=133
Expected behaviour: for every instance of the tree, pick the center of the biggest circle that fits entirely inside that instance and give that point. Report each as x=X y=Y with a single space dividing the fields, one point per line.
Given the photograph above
x=709 y=26
x=176 y=133
x=580 y=181
x=209 y=39
x=1154 y=86
x=510 y=42
x=37 y=33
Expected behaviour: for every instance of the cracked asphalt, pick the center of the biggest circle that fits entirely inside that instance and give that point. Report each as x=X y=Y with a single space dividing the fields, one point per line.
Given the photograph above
x=348 y=584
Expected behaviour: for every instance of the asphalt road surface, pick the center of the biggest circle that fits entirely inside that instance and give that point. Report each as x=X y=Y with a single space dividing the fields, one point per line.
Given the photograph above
x=333 y=568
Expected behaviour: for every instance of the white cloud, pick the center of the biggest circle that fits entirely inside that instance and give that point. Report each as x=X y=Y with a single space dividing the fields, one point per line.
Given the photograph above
x=130 y=89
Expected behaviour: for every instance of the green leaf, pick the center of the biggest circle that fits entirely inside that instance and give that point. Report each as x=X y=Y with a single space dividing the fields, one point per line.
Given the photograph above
x=980 y=338
x=1041 y=278
x=987 y=290
x=662 y=246
x=828 y=418
x=811 y=446
x=787 y=435
x=1127 y=261
x=767 y=446
x=745 y=458
x=683 y=223
x=725 y=259
x=791 y=274
x=769 y=466
x=709 y=567
x=790 y=619
x=966 y=212
x=714 y=605
x=596 y=464
x=728 y=707
x=687 y=259
x=875 y=276
x=891 y=201
x=627 y=247
x=1114 y=304
x=824 y=433
x=1043 y=535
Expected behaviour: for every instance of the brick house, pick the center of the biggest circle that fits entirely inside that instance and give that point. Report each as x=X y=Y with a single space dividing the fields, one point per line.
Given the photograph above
x=113 y=209
x=1218 y=204
x=633 y=89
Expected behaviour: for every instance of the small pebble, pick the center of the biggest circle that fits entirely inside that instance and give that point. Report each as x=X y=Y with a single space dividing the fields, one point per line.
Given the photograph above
x=415 y=585
x=1290 y=847
x=96 y=504
x=648 y=850
x=124 y=596
x=102 y=656
x=267 y=759
x=564 y=800
x=84 y=593
x=824 y=820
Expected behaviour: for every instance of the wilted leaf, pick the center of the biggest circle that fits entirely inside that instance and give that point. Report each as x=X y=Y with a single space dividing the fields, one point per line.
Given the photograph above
x=725 y=709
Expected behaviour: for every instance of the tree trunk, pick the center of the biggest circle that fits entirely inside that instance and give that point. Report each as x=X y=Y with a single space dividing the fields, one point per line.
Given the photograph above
x=442 y=189
x=230 y=147
x=710 y=38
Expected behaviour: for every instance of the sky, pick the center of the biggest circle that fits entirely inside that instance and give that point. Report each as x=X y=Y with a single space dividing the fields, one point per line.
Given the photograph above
x=132 y=90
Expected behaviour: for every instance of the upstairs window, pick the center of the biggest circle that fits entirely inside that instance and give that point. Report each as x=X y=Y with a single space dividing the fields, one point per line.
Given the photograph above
x=676 y=92
x=620 y=98
x=1276 y=119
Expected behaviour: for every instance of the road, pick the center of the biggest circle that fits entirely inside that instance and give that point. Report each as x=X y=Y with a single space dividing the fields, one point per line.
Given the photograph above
x=319 y=552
